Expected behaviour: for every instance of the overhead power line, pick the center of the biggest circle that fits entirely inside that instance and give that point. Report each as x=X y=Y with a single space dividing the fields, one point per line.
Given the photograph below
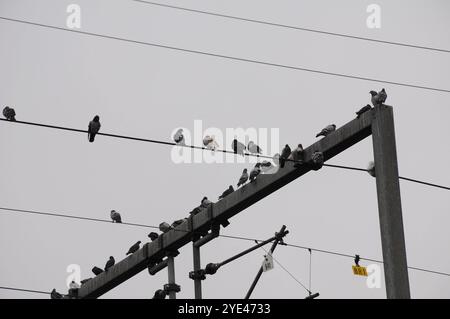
x=204 y=53
x=293 y=27
x=225 y=236
x=25 y=290
x=202 y=148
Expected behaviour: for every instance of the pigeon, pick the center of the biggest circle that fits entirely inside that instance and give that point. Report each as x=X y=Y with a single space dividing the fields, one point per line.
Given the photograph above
x=357 y=258
x=115 y=216
x=164 y=227
x=196 y=210
x=178 y=222
x=134 y=248
x=153 y=236
x=284 y=155
x=378 y=98
x=210 y=143
x=243 y=179
x=110 y=263
x=55 y=295
x=205 y=202
x=255 y=172
x=160 y=294
x=297 y=155
x=97 y=271
x=9 y=113
x=327 y=130
x=227 y=192
x=238 y=147
x=371 y=169
x=363 y=110
x=94 y=127
x=179 y=137
x=253 y=148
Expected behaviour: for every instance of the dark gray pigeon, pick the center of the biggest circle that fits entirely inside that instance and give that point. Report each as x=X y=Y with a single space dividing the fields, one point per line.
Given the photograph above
x=93 y=128
x=238 y=147
x=357 y=258
x=244 y=178
x=115 y=216
x=9 y=113
x=97 y=271
x=111 y=262
x=227 y=192
x=297 y=155
x=284 y=155
x=364 y=109
x=134 y=248
x=378 y=98
x=255 y=172
x=153 y=236
x=205 y=202
x=55 y=295
x=327 y=130
x=164 y=227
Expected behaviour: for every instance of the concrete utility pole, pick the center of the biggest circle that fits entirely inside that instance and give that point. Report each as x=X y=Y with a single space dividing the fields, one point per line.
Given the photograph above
x=378 y=121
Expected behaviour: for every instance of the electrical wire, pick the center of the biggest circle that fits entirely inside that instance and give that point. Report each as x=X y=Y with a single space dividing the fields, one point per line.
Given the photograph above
x=224 y=236
x=205 y=149
x=292 y=27
x=216 y=55
x=25 y=290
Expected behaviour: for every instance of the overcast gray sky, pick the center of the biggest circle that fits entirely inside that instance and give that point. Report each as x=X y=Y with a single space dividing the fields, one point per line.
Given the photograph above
x=62 y=78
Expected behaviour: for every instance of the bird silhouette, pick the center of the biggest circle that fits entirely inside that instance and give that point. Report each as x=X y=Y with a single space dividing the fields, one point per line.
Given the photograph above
x=243 y=179
x=378 y=98
x=327 y=130
x=134 y=248
x=111 y=262
x=255 y=172
x=97 y=271
x=55 y=295
x=153 y=236
x=115 y=216
x=9 y=113
x=253 y=148
x=227 y=192
x=93 y=128
x=205 y=202
x=179 y=137
x=238 y=147
x=364 y=109
x=284 y=155
x=357 y=258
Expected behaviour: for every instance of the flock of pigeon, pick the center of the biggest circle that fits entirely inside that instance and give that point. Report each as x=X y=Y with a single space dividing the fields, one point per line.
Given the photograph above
x=238 y=148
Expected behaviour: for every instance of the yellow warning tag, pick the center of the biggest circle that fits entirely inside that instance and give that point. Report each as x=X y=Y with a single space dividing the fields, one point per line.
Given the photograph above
x=359 y=271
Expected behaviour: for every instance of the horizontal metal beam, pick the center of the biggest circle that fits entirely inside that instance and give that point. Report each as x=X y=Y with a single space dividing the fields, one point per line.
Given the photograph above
x=265 y=184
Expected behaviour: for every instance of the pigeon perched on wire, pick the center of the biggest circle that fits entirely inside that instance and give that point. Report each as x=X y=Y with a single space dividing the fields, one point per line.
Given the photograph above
x=255 y=172
x=93 y=128
x=284 y=155
x=364 y=109
x=179 y=137
x=371 y=169
x=134 y=248
x=244 y=178
x=164 y=227
x=210 y=143
x=55 y=295
x=238 y=147
x=9 y=113
x=253 y=148
x=357 y=258
x=153 y=236
x=205 y=202
x=97 y=271
x=115 y=216
x=227 y=192
x=327 y=130
x=378 y=98
x=111 y=262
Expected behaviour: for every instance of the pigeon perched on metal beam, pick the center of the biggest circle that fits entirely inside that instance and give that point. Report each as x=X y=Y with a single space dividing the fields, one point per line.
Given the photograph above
x=284 y=155
x=134 y=248
x=364 y=109
x=327 y=130
x=244 y=178
x=9 y=113
x=357 y=258
x=227 y=192
x=115 y=216
x=164 y=227
x=253 y=148
x=205 y=202
x=97 y=271
x=266 y=166
x=378 y=98
x=255 y=172
x=238 y=147
x=55 y=295
x=111 y=262
x=297 y=155
x=178 y=222
x=153 y=236
x=179 y=137
x=93 y=128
